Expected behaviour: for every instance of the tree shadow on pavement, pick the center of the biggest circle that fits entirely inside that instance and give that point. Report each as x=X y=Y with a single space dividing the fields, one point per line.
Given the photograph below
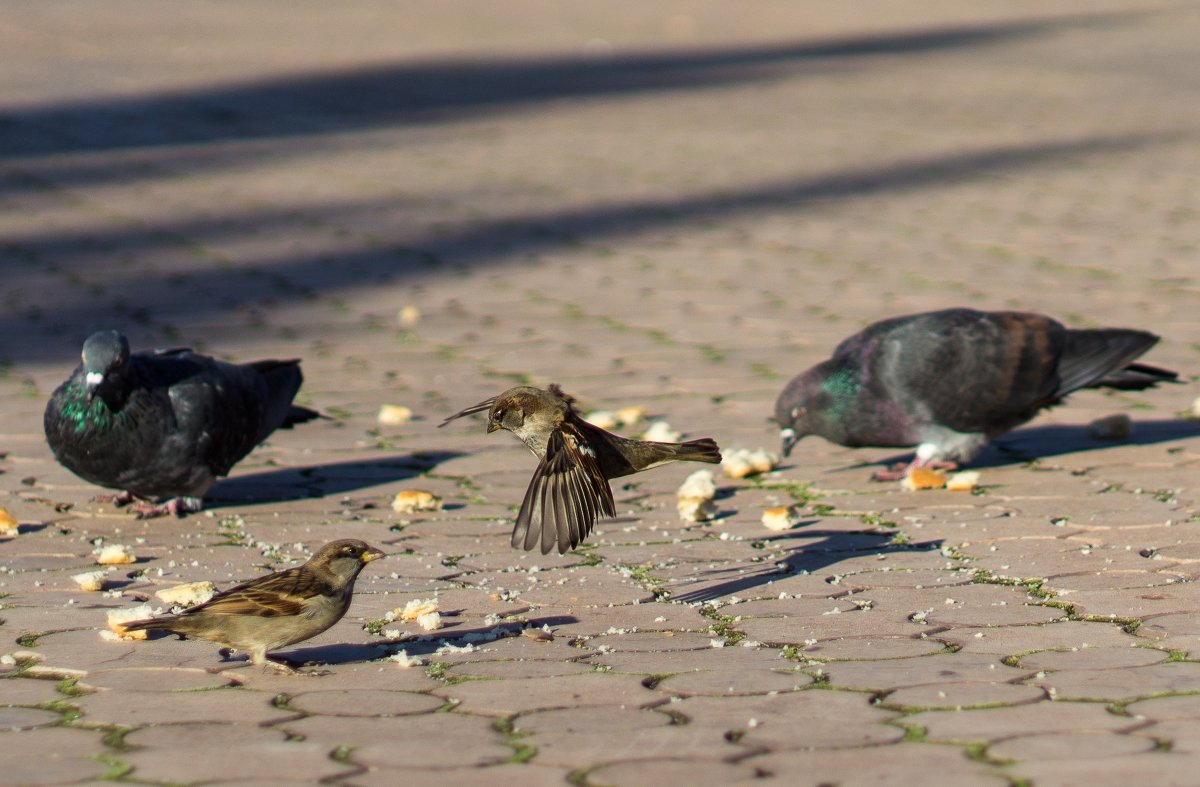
x=807 y=558
x=314 y=481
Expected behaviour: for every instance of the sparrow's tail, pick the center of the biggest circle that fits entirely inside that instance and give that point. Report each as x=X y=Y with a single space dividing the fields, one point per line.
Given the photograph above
x=703 y=450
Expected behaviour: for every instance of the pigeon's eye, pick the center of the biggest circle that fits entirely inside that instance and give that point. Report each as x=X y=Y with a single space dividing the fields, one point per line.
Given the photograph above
x=798 y=412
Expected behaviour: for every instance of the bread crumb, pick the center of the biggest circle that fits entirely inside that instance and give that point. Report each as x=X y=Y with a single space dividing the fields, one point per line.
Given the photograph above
x=966 y=481
x=699 y=486
x=661 y=432
x=742 y=463
x=605 y=419
x=408 y=501
x=187 y=595
x=692 y=509
x=115 y=555
x=408 y=316
x=415 y=609
x=90 y=581
x=406 y=661
x=8 y=523
x=393 y=415
x=430 y=621
x=1112 y=427
x=628 y=416
x=922 y=478
x=779 y=518
x=117 y=618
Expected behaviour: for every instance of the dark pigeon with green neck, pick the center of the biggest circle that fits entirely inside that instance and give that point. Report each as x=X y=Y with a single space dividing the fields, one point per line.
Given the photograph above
x=165 y=424
x=950 y=381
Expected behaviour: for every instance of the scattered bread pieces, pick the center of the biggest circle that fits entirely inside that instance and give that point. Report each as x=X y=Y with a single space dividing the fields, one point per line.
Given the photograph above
x=1112 y=427
x=661 y=432
x=115 y=555
x=187 y=595
x=430 y=621
x=741 y=463
x=965 y=481
x=8 y=523
x=695 y=510
x=779 y=518
x=117 y=618
x=699 y=485
x=605 y=419
x=922 y=478
x=628 y=416
x=408 y=316
x=695 y=497
x=415 y=609
x=406 y=661
x=1194 y=410
x=393 y=415
x=90 y=581
x=408 y=501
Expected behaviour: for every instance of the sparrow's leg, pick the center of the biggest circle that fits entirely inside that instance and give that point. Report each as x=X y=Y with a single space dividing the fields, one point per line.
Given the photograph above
x=176 y=506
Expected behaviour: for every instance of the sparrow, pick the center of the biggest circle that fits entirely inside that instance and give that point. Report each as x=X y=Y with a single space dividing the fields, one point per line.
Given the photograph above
x=275 y=610
x=165 y=423
x=570 y=485
x=950 y=381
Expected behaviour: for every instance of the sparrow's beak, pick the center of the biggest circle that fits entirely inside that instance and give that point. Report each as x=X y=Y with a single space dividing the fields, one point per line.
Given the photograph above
x=373 y=554
x=788 y=440
x=91 y=381
x=492 y=426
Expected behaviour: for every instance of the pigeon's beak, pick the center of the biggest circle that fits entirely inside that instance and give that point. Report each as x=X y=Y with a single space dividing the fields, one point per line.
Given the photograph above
x=91 y=381
x=788 y=440
x=492 y=426
x=371 y=554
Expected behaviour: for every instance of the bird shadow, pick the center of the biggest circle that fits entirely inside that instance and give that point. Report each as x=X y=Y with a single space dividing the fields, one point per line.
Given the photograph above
x=807 y=558
x=1040 y=442
x=426 y=645
x=315 y=481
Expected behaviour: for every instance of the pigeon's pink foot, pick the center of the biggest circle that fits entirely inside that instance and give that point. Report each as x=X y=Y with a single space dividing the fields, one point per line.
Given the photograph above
x=118 y=500
x=898 y=472
x=176 y=506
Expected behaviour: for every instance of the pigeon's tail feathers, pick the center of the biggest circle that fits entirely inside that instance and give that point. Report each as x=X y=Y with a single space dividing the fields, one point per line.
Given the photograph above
x=1137 y=376
x=703 y=450
x=283 y=379
x=1089 y=357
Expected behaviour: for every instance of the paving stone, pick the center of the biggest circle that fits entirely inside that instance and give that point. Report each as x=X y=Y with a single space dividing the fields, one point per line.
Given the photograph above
x=363 y=702
x=995 y=724
x=166 y=708
x=934 y=670
x=522 y=695
x=1166 y=708
x=55 y=755
x=1049 y=746
x=138 y=679
x=884 y=765
x=1051 y=636
x=1124 y=684
x=729 y=682
x=1168 y=768
x=686 y=771
x=965 y=694
x=525 y=773
x=14 y=718
x=257 y=755
x=610 y=734
x=1092 y=659
x=27 y=691
x=444 y=739
x=867 y=648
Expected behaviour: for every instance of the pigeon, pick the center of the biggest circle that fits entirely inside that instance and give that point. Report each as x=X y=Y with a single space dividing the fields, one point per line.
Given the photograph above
x=570 y=486
x=166 y=423
x=950 y=381
x=275 y=610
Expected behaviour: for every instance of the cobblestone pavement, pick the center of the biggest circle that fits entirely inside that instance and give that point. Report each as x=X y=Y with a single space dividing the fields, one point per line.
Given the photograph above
x=671 y=205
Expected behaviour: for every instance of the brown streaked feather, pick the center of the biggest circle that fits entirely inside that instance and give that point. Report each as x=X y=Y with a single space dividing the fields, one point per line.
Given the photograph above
x=284 y=593
x=563 y=497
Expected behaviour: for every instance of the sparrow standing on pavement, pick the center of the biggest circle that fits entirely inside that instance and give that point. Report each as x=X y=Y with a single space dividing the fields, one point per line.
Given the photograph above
x=278 y=609
x=950 y=381
x=570 y=485
x=165 y=423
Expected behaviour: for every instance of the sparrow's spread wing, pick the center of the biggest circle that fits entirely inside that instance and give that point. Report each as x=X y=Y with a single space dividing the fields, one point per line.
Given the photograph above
x=567 y=493
x=486 y=404
x=285 y=593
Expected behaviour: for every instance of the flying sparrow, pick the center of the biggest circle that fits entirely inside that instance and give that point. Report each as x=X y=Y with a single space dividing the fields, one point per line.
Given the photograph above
x=570 y=485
